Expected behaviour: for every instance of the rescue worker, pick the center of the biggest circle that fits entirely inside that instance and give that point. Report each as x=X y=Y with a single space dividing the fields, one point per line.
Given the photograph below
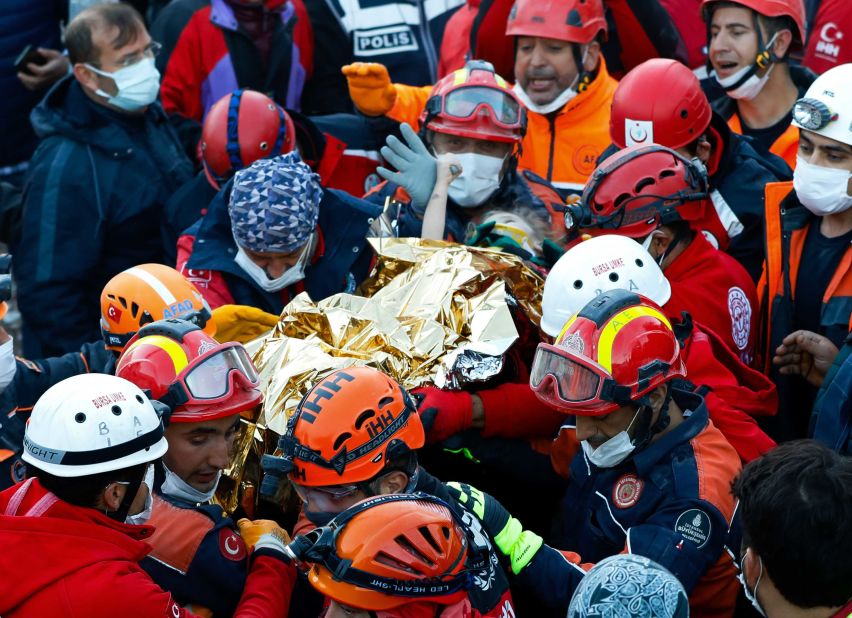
x=661 y=199
x=622 y=584
x=364 y=535
x=794 y=558
x=654 y=474
x=754 y=85
x=197 y=554
x=97 y=184
x=90 y=446
x=560 y=76
x=129 y=300
x=679 y=117
x=473 y=116
x=272 y=233
x=354 y=436
x=807 y=279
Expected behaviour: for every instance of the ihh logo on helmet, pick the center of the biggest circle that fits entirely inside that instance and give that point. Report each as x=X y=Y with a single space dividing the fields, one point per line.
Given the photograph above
x=319 y=393
x=380 y=41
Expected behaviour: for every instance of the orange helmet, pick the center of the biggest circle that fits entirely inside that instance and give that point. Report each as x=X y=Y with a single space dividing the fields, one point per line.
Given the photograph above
x=147 y=293
x=576 y=21
x=617 y=349
x=348 y=427
x=394 y=550
x=199 y=378
x=241 y=128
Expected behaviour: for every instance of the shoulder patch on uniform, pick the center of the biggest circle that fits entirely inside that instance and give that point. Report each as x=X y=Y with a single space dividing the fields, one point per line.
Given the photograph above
x=28 y=364
x=740 y=310
x=231 y=545
x=627 y=490
x=586 y=158
x=694 y=525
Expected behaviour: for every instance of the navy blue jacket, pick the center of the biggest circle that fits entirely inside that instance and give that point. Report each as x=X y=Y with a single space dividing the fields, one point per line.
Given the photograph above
x=22 y=23
x=92 y=207
x=198 y=555
x=737 y=188
x=831 y=422
x=344 y=223
x=669 y=502
x=32 y=379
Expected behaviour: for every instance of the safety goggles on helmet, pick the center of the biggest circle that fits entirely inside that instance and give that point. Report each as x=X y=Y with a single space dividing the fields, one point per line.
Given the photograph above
x=323 y=552
x=812 y=114
x=573 y=382
x=467 y=102
x=325 y=498
x=210 y=377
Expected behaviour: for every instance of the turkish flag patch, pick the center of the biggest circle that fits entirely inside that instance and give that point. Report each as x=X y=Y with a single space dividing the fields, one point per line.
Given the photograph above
x=231 y=545
x=113 y=313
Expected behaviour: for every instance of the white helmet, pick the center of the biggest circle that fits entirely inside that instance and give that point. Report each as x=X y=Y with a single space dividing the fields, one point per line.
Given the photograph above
x=92 y=423
x=826 y=108
x=594 y=266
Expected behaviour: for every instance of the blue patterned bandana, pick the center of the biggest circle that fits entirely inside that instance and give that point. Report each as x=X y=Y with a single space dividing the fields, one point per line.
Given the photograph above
x=274 y=204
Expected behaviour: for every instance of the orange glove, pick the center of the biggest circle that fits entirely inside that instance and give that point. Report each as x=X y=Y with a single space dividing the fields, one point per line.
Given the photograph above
x=251 y=531
x=370 y=87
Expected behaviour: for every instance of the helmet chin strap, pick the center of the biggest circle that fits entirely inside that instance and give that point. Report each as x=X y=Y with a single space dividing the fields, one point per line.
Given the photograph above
x=645 y=431
x=120 y=514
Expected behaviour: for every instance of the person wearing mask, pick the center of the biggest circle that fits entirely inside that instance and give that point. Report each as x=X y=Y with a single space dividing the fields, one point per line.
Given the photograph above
x=474 y=118
x=661 y=199
x=364 y=535
x=560 y=77
x=129 y=300
x=273 y=232
x=355 y=435
x=107 y=163
x=794 y=558
x=807 y=277
x=198 y=554
x=680 y=117
x=91 y=445
x=753 y=85
x=653 y=475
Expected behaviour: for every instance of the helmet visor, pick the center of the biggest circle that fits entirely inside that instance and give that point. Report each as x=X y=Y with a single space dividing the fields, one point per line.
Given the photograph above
x=463 y=103
x=572 y=381
x=209 y=379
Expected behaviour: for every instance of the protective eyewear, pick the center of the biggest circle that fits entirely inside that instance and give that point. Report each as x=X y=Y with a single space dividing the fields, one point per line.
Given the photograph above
x=210 y=377
x=812 y=114
x=568 y=381
x=466 y=102
x=325 y=498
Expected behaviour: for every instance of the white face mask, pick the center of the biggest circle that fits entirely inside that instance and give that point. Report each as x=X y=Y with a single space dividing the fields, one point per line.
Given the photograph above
x=8 y=365
x=138 y=85
x=288 y=277
x=176 y=487
x=746 y=84
x=752 y=596
x=143 y=516
x=558 y=103
x=613 y=451
x=478 y=181
x=822 y=190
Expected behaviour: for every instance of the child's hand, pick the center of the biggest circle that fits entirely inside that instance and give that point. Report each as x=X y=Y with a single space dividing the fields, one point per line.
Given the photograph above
x=449 y=169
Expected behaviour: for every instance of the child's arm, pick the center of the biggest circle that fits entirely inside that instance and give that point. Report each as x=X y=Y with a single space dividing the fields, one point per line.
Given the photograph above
x=434 y=218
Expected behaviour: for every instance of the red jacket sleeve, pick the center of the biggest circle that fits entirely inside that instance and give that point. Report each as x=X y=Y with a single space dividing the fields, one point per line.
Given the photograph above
x=513 y=411
x=303 y=37
x=180 y=91
x=210 y=283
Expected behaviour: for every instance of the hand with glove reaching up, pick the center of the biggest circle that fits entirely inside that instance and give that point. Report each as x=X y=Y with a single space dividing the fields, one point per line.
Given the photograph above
x=370 y=87
x=417 y=167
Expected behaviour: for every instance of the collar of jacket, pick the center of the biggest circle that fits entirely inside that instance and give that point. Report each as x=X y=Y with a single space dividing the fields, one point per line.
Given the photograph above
x=691 y=426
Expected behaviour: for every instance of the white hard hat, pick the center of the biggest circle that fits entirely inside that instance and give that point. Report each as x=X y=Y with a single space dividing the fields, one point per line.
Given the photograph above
x=92 y=423
x=593 y=267
x=826 y=108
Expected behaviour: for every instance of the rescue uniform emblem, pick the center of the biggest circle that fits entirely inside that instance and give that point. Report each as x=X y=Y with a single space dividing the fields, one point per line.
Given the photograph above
x=231 y=545
x=740 y=310
x=694 y=525
x=627 y=491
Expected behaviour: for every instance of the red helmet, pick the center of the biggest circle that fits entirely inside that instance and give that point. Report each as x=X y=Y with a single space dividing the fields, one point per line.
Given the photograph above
x=637 y=190
x=197 y=377
x=794 y=9
x=643 y=113
x=382 y=543
x=475 y=102
x=618 y=348
x=577 y=21
x=347 y=428
x=241 y=128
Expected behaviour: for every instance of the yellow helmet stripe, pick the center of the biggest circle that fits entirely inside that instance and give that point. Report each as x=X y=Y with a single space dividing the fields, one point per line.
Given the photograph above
x=500 y=81
x=459 y=77
x=614 y=326
x=169 y=346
